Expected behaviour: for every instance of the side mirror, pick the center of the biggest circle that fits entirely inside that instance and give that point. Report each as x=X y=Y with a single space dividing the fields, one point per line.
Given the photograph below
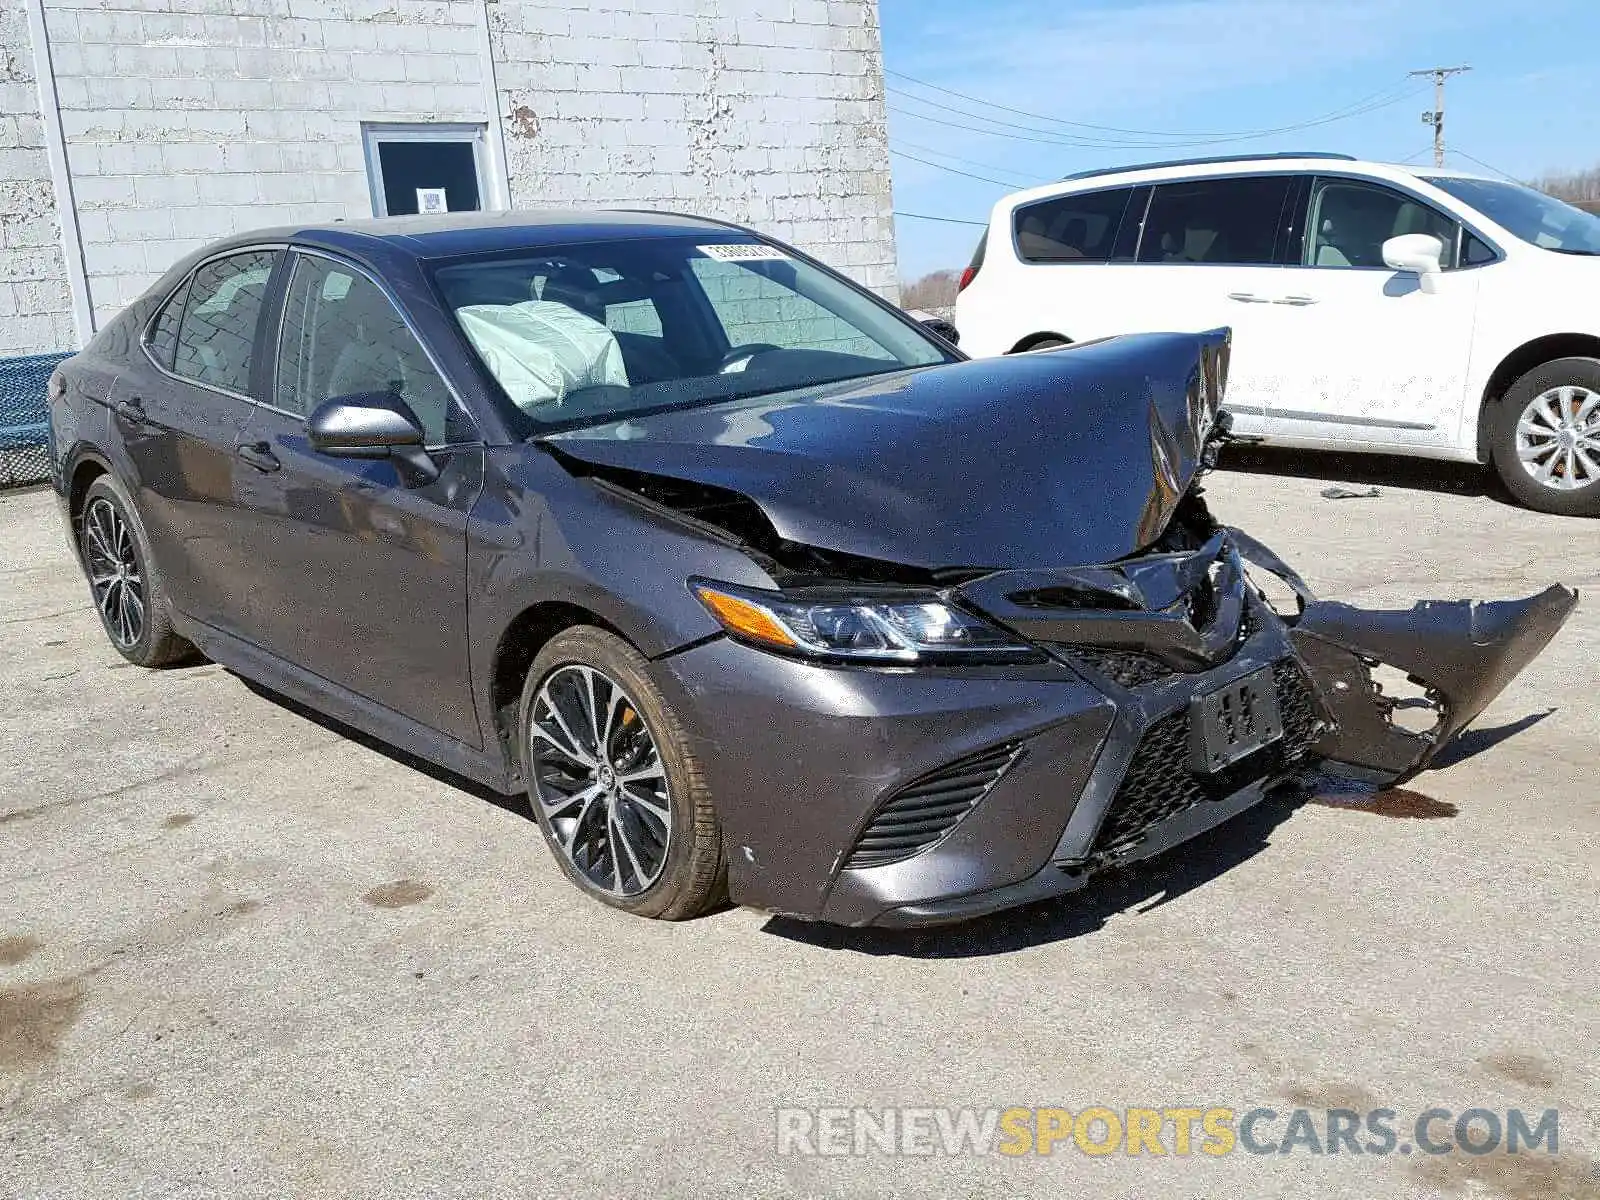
x=942 y=328
x=1419 y=254
x=371 y=425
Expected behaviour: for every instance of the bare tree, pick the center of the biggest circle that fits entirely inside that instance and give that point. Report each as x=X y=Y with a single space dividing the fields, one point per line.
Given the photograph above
x=936 y=290
x=1575 y=187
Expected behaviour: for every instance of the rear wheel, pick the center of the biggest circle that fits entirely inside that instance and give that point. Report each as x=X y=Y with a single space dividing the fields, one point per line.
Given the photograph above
x=614 y=786
x=1044 y=343
x=1547 y=437
x=129 y=593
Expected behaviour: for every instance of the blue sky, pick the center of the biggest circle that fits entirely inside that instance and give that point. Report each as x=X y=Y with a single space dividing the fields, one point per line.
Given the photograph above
x=1530 y=105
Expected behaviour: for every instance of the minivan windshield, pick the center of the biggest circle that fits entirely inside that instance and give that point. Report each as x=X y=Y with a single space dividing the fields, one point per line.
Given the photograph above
x=605 y=330
x=1531 y=215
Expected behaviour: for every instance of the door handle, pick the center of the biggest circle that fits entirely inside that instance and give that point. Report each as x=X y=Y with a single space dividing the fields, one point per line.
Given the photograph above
x=260 y=456
x=132 y=411
x=1297 y=301
x=1247 y=298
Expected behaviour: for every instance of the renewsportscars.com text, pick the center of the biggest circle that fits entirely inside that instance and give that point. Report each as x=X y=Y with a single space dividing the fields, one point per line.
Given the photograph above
x=1179 y=1131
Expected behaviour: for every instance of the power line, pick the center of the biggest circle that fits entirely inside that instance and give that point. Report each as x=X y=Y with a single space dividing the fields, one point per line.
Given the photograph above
x=941 y=167
x=945 y=123
x=1487 y=166
x=945 y=220
x=1030 y=133
x=1436 y=117
x=1379 y=99
x=966 y=162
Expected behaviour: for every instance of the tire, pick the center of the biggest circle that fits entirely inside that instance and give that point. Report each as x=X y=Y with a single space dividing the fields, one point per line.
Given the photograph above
x=133 y=604
x=1049 y=343
x=671 y=869
x=1534 y=396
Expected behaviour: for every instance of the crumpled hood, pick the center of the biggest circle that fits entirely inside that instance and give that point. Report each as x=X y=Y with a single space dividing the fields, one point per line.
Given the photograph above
x=1054 y=459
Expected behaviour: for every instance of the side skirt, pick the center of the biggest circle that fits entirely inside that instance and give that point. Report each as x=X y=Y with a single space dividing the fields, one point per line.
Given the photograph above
x=341 y=704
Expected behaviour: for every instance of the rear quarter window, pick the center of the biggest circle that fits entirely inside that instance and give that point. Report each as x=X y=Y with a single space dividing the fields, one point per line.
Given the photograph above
x=1077 y=228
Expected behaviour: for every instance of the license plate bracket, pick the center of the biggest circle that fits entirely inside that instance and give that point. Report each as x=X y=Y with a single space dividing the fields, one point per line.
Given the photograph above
x=1233 y=722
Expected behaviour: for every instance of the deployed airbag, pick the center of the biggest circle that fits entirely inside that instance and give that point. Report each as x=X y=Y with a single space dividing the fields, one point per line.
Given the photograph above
x=541 y=350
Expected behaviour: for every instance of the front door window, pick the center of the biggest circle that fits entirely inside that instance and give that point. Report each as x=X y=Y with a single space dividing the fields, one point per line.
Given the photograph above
x=343 y=337
x=1350 y=222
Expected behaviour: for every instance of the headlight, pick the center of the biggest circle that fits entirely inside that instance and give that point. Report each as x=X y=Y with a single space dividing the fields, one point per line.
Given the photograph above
x=897 y=629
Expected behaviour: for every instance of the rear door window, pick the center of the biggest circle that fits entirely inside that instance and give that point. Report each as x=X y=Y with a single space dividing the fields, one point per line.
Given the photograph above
x=1077 y=228
x=1350 y=222
x=217 y=337
x=1235 y=221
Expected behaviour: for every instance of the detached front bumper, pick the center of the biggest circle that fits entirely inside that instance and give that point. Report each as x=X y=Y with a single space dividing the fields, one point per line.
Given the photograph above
x=824 y=775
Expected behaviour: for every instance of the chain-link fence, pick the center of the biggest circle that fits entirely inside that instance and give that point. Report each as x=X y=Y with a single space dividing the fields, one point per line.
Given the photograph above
x=25 y=419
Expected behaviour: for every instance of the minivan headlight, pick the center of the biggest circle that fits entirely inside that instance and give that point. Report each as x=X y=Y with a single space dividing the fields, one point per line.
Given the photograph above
x=904 y=628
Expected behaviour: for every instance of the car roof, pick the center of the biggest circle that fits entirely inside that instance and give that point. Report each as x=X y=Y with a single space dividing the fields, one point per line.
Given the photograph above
x=1211 y=168
x=449 y=234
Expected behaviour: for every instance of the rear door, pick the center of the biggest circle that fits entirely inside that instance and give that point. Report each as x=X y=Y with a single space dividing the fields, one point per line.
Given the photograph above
x=1209 y=256
x=357 y=573
x=1366 y=358
x=178 y=410
x=1055 y=276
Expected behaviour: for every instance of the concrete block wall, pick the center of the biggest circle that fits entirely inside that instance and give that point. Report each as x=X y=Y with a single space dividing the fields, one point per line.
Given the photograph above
x=190 y=123
x=767 y=112
x=35 y=303
x=186 y=120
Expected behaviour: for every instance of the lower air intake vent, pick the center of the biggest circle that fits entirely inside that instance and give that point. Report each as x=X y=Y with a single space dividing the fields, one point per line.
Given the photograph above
x=926 y=809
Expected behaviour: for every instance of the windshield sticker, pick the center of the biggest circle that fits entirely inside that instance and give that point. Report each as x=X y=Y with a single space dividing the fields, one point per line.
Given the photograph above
x=743 y=252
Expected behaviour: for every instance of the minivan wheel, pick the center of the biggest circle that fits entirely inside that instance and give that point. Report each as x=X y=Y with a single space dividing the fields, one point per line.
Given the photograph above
x=1044 y=343
x=127 y=588
x=1547 y=437
x=613 y=784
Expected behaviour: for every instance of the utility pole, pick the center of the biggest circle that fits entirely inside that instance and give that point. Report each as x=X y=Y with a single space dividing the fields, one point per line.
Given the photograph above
x=1436 y=117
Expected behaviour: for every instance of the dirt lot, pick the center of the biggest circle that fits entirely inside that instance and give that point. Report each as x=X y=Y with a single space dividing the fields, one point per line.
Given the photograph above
x=244 y=953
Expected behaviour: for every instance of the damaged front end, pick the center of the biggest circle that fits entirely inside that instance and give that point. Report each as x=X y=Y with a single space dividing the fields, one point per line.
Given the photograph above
x=1164 y=693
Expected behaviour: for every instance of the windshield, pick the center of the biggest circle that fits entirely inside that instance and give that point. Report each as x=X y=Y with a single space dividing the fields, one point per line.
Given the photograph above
x=1531 y=215
x=596 y=332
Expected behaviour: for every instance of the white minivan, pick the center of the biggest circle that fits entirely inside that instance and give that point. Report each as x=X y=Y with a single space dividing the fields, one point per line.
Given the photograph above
x=1373 y=307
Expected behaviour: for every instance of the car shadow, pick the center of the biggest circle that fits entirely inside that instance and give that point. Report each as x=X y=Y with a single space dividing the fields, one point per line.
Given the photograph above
x=1475 y=741
x=1368 y=470
x=1140 y=888
x=512 y=804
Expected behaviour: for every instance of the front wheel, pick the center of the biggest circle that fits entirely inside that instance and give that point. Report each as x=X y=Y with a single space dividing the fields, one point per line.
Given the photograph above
x=616 y=789
x=1547 y=438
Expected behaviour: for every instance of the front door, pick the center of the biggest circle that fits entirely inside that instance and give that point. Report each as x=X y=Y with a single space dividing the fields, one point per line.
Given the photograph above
x=179 y=410
x=1365 y=357
x=360 y=576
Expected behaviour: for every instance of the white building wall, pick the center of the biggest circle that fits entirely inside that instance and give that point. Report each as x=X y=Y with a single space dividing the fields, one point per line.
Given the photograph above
x=765 y=112
x=193 y=122
x=35 y=303
x=189 y=124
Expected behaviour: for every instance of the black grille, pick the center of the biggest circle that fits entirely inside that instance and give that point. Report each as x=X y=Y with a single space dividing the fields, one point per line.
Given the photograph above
x=1160 y=785
x=926 y=809
x=1130 y=668
x=1301 y=725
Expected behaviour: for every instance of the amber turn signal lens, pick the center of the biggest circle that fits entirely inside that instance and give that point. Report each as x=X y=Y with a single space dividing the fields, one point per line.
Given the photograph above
x=746 y=619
